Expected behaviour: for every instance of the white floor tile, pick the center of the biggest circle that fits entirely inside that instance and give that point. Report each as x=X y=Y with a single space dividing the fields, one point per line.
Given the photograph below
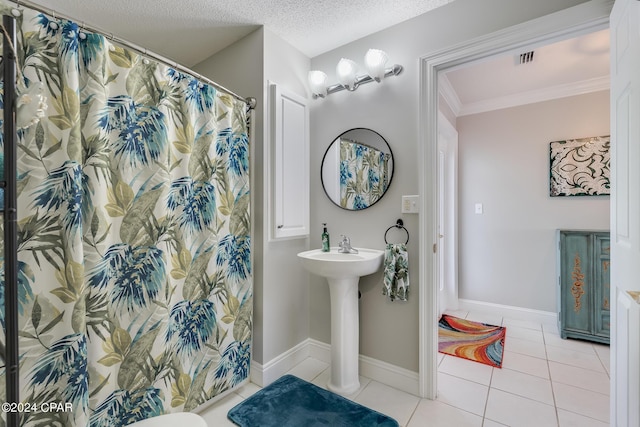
x=488 y=318
x=389 y=401
x=216 y=414
x=551 y=328
x=248 y=390
x=527 y=364
x=308 y=369
x=575 y=358
x=491 y=423
x=467 y=369
x=570 y=419
x=527 y=324
x=517 y=411
x=585 y=402
x=524 y=385
x=466 y=395
x=524 y=334
x=322 y=380
x=522 y=393
x=433 y=413
x=554 y=340
x=604 y=353
x=530 y=348
x=579 y=377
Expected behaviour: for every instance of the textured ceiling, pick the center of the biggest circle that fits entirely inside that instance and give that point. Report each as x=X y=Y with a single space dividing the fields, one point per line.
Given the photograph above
x=189 y=31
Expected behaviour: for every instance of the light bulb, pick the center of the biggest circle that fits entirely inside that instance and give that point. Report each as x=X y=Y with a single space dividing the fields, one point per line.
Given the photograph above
x=346 y=71
x=375 y=61
x=318 y=82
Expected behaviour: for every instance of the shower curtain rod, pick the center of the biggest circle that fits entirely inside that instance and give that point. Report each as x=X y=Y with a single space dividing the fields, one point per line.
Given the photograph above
x=251 y=102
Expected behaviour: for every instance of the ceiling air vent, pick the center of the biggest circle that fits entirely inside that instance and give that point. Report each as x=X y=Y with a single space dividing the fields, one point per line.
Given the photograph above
x=525 y=57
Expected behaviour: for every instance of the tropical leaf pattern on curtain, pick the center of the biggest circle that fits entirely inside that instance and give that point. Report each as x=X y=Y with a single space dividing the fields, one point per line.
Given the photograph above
x=135 y=278
x=364 y=174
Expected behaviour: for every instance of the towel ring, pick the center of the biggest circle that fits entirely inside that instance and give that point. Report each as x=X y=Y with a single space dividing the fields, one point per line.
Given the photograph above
x=398 y=224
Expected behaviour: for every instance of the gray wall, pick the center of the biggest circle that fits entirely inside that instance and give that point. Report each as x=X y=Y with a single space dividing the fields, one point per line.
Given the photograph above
x=280 y=284
x=389 y=330
x=285 y=282
x=284 y=313
x=507 y=255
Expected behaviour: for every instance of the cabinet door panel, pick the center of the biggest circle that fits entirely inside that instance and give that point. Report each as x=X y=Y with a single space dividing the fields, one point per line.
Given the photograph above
x=603 y=320
x=602 y=288
x=288 y=166
x=576 y=292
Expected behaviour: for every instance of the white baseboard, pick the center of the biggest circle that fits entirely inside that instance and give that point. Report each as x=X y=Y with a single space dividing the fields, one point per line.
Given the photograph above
x=263 y=375
x=377 y=370
x=383 y=372
x=520 y=313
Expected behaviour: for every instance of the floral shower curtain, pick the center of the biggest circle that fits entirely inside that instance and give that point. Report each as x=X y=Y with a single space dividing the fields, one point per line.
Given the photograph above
x=363 y=174
x=135 y=282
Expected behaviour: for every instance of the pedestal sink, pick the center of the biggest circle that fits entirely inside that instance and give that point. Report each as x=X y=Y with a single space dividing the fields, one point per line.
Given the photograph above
x=343 y=272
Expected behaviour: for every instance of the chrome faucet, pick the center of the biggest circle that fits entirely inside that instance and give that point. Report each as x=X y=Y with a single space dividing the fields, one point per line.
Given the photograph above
x=345 y=246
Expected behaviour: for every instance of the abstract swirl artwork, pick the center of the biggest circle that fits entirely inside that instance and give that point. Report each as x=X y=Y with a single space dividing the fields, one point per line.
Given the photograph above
x=580 y=167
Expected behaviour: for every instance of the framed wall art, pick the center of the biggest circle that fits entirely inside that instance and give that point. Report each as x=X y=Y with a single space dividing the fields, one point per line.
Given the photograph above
x=580 y=167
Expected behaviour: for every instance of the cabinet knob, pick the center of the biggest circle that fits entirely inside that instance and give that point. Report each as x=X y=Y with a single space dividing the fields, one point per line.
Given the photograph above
x=280 y=226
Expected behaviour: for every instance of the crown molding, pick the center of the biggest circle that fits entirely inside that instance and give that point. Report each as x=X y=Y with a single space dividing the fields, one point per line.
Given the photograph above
x=449 y=94
x=530 y=97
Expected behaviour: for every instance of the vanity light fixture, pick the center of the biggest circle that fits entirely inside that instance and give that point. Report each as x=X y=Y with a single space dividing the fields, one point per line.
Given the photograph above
x=375 y=62
x=318 y=82
x=346 y=71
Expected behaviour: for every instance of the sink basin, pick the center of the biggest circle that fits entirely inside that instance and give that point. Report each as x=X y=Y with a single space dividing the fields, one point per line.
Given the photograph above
x=336 y=265
x=343 y=272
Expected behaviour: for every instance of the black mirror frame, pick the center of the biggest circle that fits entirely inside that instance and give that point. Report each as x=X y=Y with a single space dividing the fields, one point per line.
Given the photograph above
x=325 y=156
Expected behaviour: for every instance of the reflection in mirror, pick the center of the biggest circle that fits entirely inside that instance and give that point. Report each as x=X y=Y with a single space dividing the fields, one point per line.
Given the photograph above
x=357 y=169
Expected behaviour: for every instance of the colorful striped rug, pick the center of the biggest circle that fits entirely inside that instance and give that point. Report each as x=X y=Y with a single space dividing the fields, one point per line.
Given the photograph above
x=475 y=341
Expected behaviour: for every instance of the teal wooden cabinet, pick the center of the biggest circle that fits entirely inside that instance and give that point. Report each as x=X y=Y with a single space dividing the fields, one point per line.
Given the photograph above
x=584 y=269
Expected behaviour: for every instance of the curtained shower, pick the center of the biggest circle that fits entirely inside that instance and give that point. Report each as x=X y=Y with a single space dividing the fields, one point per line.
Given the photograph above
x=134 y=253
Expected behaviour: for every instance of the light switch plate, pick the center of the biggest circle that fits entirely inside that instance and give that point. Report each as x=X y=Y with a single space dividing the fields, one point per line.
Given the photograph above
x=479 y=208
x=410 y=204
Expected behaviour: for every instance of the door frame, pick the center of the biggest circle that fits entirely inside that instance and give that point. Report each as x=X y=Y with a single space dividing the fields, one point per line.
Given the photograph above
x=447 y=253
x=581 y=19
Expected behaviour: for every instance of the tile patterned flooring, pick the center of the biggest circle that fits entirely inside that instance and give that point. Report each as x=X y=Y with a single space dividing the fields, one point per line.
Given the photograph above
x=545 y=381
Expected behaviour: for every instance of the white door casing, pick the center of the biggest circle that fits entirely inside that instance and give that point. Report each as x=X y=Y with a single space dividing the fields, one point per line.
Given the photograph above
x=625 y=212
x=447 y=216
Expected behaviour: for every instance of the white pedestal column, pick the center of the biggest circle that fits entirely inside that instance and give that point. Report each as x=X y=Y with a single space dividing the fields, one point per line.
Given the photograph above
x=345 y=335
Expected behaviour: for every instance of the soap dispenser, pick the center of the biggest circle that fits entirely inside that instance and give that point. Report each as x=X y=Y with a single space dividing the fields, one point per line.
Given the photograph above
x=325 y=238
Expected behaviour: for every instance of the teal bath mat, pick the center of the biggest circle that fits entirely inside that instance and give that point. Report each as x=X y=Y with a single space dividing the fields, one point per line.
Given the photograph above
x=292 y=402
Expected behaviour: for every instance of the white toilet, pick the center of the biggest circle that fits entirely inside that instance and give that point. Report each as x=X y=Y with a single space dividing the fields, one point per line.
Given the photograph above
x=172 y=420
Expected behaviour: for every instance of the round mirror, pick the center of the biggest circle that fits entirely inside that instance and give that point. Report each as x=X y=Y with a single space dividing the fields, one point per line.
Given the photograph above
x=357 y=169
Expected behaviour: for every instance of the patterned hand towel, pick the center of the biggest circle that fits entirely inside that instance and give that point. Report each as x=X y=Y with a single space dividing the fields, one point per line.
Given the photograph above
x=396 y=271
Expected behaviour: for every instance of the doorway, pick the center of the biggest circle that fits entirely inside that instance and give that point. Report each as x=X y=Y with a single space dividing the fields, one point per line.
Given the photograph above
x=572 y=22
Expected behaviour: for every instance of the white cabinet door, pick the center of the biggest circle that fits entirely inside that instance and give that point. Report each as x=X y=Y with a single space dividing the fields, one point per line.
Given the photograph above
x=625 y=211
x=288 y=164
